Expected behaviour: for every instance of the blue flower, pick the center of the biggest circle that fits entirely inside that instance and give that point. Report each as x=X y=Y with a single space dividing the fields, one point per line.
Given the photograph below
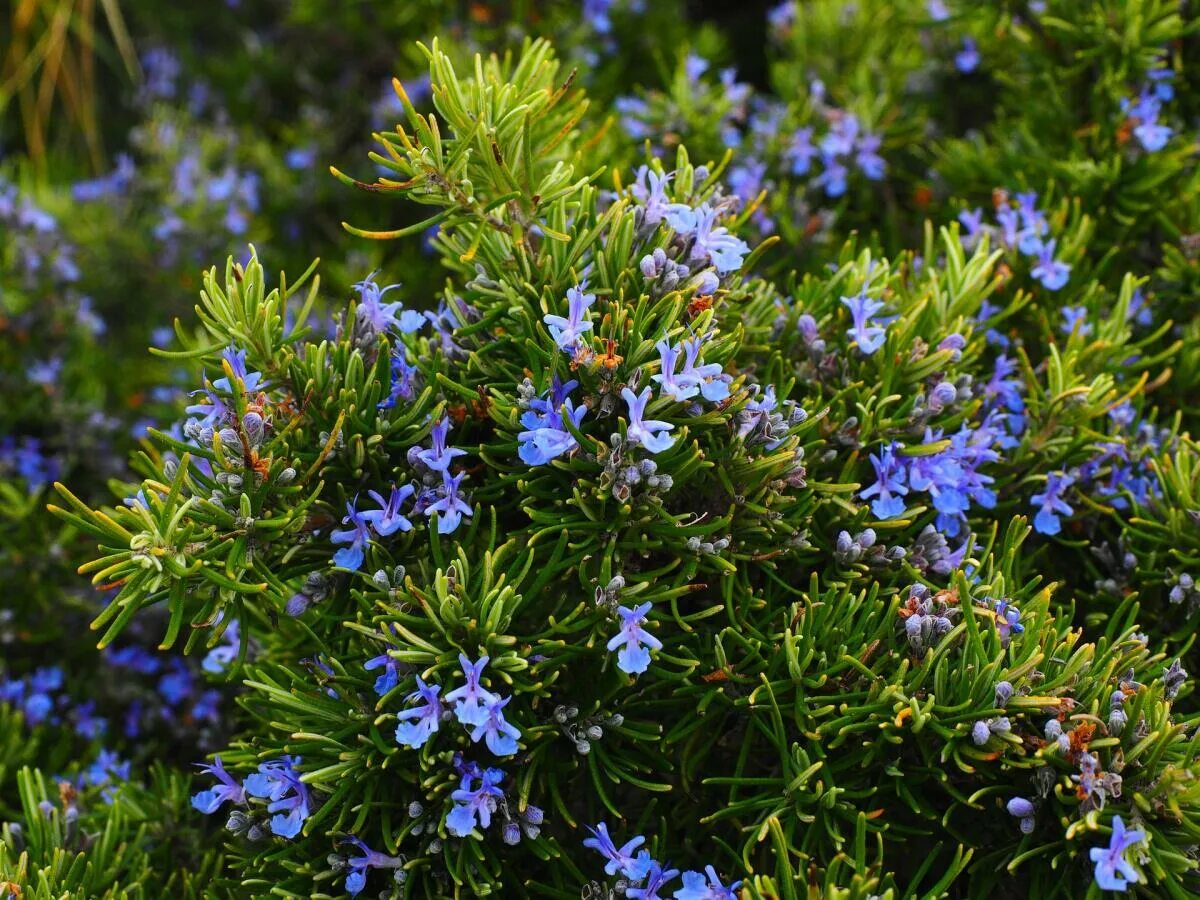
x=387 y=520
x=499 y=734
x=656 y=879
x=279 y=782
x=357 y=536
x=696 y=886
x=381 y=316
x=415 y=733
x=1049 y=271
x=633 y=658
x=676 y=389
x=1050 y=503
x=1075 y=318
x=649 y=433
x=450 y=507
x=1008 y=621
x=546 y=436
x=972 y=223
x=650 y=190
x=391 y=672
x=218 y=659
x=800 y=151
x=568 y=332
x=471 y=700
x=619 y=859
x=715 y=243
x=370 y=859
x=867 y=336
x=714 y=385
x=866 y=156
x=967 y=59
x=402 y=379
x=227 y=790
x=439 y=456
x=889 y=487
x=1113 y=871
x=833 y=177
x=233 y=361
x=474 y=805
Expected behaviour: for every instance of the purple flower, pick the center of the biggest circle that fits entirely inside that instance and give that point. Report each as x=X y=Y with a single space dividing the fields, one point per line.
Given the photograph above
x=801 y=152
x=419 y=723
x=387 y=520
x=402 y=379
x=669 y=386
x=1049 y=271
x=474 y=806
x=450 y=507
x=391 y=672
x=569 y=331
x=219 y=658
x=972 y=223
x=889 y=486
x=546 y=436
x=714 y=385
x=649 y=433
x=370 y=859
x=650 y=190
x=1113 y=871
x=1075 y=317
x=381 y=316
x=357 y=536
x=696 y=886
x=228 y=790
x=967 y=59
x=866 y=156
x=1051 y=504
x=279 y=782
x=714 y=242
x=833 y=178
x=471 y=700
x=499 y=734
x=656 y=879
x=633 y=658
x=1008 y=621
x=867 y=336
x=439 y=456
x=619 y=859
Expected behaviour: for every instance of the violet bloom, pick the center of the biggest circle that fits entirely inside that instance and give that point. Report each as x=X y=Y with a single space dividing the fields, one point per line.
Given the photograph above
x=649 y=433
x=833 y=178
x=382 y=316
x=650 y=190
x=402 y=380
x=227 y=790
x=1113 y=871
x=972 y=223
x=967 y=59
x=418 y=723
x=370 y=859
x=546 y=436
x=867 y=336
x=279 y=782
x=451 y=507
x=391 y=672
x=387 y=520
x=696 y=886
x=678 y=389
x=656 y=879
x=568 y=332
x=866 y=156
x=1050 y=503
x=358 y=535
x=619 y=859
x=633 y=658
x=471 y=700
x=474 y=805
x=218 y=659
x=439 y=456
x=1052 y=273
x=1008 y=621
x=714 y=384
x=889 y=487
x=1075 y=317
x=801 y=152
x=714 y=242
x=499 y=734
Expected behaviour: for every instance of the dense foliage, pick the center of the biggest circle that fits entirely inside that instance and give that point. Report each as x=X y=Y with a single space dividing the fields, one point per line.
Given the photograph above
x=689 y=487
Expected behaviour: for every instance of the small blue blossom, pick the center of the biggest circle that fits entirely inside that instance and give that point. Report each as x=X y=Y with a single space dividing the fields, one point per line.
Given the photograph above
x=967 y=59
x=568 y=332
x=403 y=375
x=499 y=734
x=1113 y=871
x=279 y=782
x=713 y=383
x=1075 y=319
x=474 y=805
x=649 y=433
x=546 y=436
x=227 y=790
x=390 y=676
x=358 y=535
x=867 y=336
x=670 y=386
x=619 y=859
x=438 y=457
x=1050 y=503
x=1008 y=621
x=370 y=859
x=656 y=880
x=387 y=520
x=633 y=640
x=800 y=152
x=419 y=723
x=471 y=701
x=219 y=658
x=867 y=158
x=380 y=316
x=706 y=885
x=889 y=488
x=450 y=507
x=1052 y=273
x=714 y=242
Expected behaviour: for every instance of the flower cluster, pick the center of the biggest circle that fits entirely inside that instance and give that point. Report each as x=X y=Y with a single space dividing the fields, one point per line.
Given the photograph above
x=1020 y=228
